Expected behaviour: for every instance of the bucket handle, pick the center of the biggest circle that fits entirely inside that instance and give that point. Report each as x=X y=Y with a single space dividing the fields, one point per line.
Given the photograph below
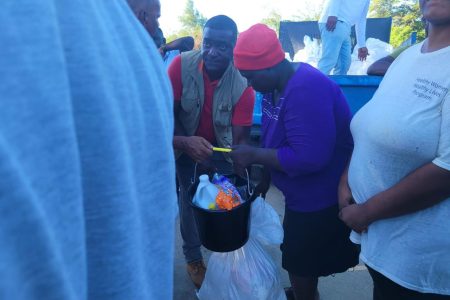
x=249 y=188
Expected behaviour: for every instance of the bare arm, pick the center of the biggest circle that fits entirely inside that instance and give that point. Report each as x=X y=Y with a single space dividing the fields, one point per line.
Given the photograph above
x=310 y=133
x=241 y=134
x=423 y=188
x=196 y=147
x=244 y=155
x=182 y=44
x=380 y=67
x=243 y=115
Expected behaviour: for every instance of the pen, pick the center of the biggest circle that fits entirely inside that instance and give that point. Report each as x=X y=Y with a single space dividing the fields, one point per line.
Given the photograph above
x=221 y=149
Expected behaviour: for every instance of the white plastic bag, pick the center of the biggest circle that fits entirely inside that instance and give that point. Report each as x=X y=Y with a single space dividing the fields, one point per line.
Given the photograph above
x=265 y=225
x=377 y=49
x=311 y=53
x=248 y=273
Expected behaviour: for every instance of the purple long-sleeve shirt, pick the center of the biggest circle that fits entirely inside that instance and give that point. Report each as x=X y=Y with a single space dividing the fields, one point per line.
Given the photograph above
x=310 y=127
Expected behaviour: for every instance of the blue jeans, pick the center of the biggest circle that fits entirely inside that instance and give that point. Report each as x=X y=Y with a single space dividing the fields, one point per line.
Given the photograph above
x=336 y=49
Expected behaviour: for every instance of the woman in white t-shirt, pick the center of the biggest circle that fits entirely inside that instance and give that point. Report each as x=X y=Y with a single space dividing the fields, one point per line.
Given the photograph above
x=396 y=192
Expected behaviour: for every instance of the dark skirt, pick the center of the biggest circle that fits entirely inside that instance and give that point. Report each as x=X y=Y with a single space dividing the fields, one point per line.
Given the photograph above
x=317 y=243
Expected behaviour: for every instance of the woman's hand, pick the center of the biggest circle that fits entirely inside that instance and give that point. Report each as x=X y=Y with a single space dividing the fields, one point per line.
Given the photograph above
x=356 y=217
x=242 y=156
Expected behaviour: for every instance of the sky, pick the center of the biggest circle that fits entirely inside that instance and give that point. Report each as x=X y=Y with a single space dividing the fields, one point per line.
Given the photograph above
x=244 y=12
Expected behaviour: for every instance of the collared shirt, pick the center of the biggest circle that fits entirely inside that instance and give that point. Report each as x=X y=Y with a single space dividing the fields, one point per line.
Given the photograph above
x=242 y=113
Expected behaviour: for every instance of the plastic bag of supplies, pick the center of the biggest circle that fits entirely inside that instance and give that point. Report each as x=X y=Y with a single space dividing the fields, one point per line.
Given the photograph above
x=249 y=272
x=377 y=49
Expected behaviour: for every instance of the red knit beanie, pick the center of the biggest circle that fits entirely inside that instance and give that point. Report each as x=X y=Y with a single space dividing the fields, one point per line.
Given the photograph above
x=257 y=48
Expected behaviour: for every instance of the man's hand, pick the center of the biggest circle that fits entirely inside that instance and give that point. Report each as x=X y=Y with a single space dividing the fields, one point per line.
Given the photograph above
x=362 y=53
x=197 y=148
x=331 y=23
x=356 y=217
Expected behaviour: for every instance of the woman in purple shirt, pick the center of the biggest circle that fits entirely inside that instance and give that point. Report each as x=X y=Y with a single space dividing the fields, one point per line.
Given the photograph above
x=306 y=144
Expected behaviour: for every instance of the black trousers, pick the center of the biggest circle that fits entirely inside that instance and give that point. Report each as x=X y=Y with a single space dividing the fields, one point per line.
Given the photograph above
x=386 y=289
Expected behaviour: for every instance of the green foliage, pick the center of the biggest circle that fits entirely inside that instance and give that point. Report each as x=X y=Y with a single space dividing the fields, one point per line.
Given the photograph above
x=406 y=18
x=192 y=22
x=381 y=8
x=273 y=20
x=191 y=17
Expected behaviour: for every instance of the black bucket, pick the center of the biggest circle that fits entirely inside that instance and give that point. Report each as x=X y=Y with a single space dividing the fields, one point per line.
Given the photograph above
x=224 y=230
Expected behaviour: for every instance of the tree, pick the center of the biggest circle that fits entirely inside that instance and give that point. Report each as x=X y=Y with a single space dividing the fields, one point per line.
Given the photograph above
x=381 y=8
x=406 y=18
x=192 y=22
x=191 y=17
x=273 y=20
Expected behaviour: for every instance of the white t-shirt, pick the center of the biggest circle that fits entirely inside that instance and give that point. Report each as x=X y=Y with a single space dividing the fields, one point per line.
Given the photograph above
x=352 y=12
x=403 y=127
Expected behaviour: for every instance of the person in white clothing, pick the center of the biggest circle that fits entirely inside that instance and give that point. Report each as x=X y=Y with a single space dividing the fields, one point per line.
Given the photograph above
x=396 y=192
x=335 y=24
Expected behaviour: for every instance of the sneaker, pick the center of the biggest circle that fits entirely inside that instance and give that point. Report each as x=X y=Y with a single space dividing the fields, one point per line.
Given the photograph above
x=196 y=271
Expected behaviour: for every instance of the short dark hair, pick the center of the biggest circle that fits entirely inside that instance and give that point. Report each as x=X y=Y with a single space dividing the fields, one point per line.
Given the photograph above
x=222 y=22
